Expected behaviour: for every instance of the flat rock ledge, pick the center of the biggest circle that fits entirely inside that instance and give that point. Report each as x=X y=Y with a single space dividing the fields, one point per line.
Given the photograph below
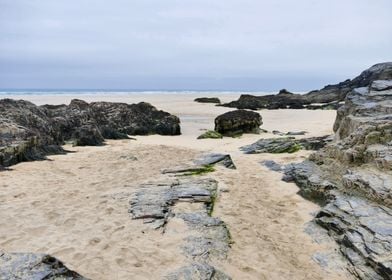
x=285 y=145
x=351 y=179
x=209 y=236
x=29 y=266
x=202 y=165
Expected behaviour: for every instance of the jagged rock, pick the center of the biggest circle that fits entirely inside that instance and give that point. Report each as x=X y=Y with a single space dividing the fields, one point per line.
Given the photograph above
x=153 y=202
x=338 y=92
x=351 y=178
x=294 y=133
x=272 y=165
x=210 y=134
x=202 y=165
x=285 y=145
x=223 y=159
x=330 y=95
x=283 y=100
x=29 y=266
x=207 y=100
x=87 y=135
x=208 y=236
x=197 y=271
x=238 y=122
x=26 y=132
x=30 y=132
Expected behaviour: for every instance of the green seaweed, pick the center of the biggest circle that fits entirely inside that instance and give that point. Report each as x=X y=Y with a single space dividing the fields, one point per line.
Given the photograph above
x=200 y=170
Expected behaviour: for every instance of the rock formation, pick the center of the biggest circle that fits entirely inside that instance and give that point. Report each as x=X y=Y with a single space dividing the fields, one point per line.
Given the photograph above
x=237 y=122
x=338 y=92
x=34 y=266
x=207 y=237
x=352 y=179
x=330 y=95
x=286 y=145
x=29 y=132
x=208 y=100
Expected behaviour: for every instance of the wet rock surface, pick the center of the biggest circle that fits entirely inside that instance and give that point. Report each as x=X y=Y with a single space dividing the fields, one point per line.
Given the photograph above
x=235 y=123
x=285 y=145
x=352 y=179
x=208 y=100
x=29 y=266
x=30 y=132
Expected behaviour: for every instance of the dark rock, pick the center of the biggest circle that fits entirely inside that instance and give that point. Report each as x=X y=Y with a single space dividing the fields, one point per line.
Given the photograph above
x=208 y=100
x=285 y=145
x=272 y=165
x=223 y=159
x=238 y=122
x=332 y=95
x=272 y=145
x=35 y=267
x=351 y=178
x=87 y=135
x=294 y=133
x=338 y=92
x=202 y=165
x=283 y=100
x=30 y=132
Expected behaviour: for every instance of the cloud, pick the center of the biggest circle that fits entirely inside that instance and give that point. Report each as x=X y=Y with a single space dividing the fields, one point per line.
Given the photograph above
x=220 y=44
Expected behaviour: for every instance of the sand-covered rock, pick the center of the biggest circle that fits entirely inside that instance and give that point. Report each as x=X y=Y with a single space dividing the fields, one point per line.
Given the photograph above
x=30 y=132
x=352 y=178
x=237 y=122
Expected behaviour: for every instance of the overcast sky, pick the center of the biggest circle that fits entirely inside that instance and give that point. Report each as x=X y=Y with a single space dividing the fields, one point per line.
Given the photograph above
x=190 y=44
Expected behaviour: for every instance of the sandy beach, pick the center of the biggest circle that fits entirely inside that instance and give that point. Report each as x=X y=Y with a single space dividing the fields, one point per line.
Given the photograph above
x=75 y=206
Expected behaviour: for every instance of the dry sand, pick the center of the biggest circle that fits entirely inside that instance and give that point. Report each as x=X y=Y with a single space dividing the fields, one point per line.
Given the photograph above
x=75 y=206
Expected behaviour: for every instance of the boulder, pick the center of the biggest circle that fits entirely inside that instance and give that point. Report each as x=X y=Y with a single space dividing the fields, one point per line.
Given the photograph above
x=238 y=122
x=207 y=100
x=352 y=179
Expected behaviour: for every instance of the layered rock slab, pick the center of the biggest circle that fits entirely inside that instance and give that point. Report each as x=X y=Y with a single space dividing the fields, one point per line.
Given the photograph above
x=208 y=236
x=352 y=179
x=29 y=266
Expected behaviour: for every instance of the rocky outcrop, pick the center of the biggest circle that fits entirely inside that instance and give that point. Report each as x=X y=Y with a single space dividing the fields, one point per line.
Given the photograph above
x=30 y=132
x=338 y=92
x=285 y=145
x=327 y=98
x=352 y=179
x=34 y=266
x=208 y=100
x=237 y=122
x=282 y=100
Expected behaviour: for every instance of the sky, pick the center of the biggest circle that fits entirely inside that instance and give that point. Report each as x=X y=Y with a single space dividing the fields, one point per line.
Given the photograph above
x=190 y=44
